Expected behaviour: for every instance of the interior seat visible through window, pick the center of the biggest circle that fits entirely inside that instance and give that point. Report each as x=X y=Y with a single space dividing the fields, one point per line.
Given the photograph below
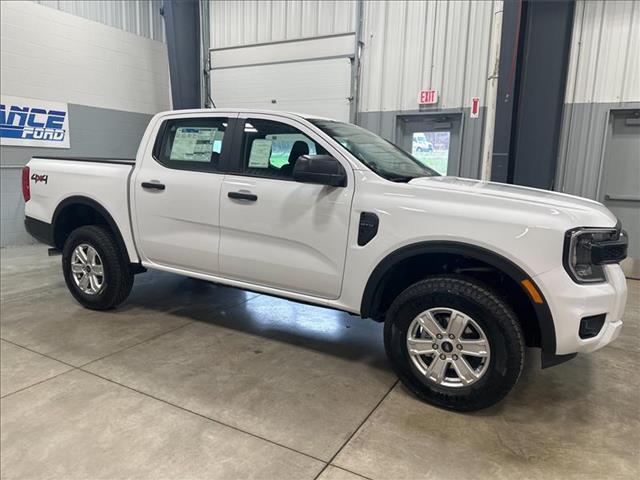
x=270 y=149
x=299 y=148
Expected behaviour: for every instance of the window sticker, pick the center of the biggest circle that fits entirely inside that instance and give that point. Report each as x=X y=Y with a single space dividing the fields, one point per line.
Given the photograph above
x=260 y=153
x=194 y=144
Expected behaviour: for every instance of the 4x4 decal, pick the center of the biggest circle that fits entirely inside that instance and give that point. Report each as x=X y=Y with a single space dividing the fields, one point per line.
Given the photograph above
x=39 y=178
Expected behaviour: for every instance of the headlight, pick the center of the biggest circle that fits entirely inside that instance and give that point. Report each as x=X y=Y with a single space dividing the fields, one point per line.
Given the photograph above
x=587 y=249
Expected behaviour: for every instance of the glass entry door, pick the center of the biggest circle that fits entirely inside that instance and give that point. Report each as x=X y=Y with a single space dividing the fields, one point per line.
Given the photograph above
x=433 y=139
x=432 y=149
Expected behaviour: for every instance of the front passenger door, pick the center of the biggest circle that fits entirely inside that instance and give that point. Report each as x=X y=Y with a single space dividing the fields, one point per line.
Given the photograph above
x=277 y=232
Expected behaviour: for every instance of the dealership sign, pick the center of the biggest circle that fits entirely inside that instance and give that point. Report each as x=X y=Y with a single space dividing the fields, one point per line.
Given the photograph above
x=27 y=122
x=428 y=97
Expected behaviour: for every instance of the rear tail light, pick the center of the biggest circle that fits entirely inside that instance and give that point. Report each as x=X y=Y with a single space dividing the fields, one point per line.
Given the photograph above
x=26 y=189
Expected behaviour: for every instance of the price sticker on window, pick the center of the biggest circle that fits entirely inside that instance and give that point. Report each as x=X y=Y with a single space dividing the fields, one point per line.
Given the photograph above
x=260 y=153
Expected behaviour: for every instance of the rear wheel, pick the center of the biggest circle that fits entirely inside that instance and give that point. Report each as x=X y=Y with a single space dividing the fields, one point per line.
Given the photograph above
x=96 y=272
x=454 y=343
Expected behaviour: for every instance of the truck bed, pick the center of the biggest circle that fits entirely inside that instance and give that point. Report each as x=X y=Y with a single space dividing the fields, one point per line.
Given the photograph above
x=56 y=181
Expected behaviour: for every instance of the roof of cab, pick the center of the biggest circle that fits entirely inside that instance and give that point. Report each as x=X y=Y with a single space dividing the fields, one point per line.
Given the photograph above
x=245 y=110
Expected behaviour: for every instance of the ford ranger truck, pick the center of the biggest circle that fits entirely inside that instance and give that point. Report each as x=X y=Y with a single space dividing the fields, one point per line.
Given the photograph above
x=465 y=274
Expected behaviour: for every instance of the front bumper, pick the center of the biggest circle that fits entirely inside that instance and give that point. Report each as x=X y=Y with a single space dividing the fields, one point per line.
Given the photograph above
x=569 y=302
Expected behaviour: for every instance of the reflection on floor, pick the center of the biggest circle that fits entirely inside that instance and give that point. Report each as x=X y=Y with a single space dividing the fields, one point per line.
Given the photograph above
x=192 y=380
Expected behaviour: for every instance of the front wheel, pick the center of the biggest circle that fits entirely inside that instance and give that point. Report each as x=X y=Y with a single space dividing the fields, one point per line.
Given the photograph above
x=95 y=270
x=454 y=343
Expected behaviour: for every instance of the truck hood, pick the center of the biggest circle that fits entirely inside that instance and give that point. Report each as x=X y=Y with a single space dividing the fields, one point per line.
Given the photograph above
x=582 y=211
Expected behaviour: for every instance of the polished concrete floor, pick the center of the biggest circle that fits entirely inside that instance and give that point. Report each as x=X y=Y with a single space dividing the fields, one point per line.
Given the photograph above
x=192 y=380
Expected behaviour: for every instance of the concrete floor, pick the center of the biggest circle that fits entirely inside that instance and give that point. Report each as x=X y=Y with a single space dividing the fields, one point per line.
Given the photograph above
x=192 y=380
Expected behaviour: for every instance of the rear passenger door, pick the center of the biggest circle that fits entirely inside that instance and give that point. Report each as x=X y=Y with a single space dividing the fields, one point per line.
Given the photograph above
x=176 y=193
x=277 y=232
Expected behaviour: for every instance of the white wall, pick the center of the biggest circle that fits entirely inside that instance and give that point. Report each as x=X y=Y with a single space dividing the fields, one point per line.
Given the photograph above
x=53 y=55
x=112 y=80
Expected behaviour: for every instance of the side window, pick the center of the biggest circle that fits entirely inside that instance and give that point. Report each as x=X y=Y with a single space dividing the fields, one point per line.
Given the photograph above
x=270 y=149
x=191 y=143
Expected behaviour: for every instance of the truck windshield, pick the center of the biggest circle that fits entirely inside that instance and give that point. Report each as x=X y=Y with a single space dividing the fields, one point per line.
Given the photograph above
x=381 y=156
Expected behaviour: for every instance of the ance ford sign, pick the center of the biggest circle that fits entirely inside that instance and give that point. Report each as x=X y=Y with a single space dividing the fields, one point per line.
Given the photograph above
x=28 y=122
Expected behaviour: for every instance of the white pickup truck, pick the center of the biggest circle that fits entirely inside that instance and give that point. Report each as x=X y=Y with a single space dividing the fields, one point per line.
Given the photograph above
x=465 y=274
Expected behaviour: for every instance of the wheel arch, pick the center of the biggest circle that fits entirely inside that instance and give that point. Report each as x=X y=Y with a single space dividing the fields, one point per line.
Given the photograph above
x=77 y=211
x=373 y=300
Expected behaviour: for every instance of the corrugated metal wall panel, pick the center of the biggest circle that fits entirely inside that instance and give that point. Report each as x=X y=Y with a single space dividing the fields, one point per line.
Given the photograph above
x=414 y=45
x=604 y=75
x=477 y=57
x=144 y=19
x=157 y=24
x=415 y=15
x=409 y=45
x=247 y=22
x=141 y=17
x=130 y=17
x=392 y=58
x=605 y=65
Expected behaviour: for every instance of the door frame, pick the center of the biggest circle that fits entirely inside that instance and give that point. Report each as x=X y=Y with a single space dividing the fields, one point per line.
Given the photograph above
x=630 y=265
x=608 y=133
x=456 y=116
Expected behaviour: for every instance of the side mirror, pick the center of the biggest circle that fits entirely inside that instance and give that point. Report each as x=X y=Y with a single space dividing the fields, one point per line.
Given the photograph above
x=320 y=169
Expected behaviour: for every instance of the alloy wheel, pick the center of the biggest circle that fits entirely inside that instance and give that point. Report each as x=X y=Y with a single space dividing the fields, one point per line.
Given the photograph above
x=87 y=269
x=448 y=347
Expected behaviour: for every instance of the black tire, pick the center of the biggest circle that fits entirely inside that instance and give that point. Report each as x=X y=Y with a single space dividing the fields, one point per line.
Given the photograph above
x=118 y=277
x=488 y=310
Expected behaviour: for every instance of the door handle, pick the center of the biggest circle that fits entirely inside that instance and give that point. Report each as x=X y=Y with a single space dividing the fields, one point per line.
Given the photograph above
x=153 y=185
x=243 y=196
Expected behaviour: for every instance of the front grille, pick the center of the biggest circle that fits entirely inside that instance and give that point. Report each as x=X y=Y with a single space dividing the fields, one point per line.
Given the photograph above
x=610 y=251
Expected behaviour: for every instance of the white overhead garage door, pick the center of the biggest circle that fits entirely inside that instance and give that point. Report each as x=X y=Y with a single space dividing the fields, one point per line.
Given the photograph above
x=307 y=76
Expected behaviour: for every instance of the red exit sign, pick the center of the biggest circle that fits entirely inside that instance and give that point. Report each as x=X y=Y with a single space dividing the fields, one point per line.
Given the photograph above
x=428 y=97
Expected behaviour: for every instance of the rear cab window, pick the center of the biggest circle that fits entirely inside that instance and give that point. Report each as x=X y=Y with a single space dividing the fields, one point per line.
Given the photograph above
x=191 y=143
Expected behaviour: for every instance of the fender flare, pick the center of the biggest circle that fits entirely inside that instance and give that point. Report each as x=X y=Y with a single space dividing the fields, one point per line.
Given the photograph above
x=81 y=200
x=497 y=261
